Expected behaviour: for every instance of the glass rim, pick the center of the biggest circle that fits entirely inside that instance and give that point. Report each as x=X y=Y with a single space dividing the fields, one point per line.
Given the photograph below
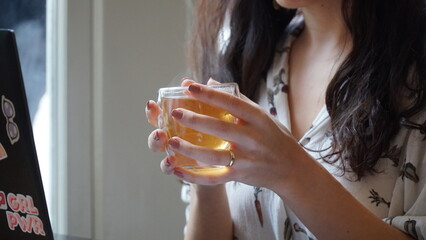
x=222 y=85
x=179 y=90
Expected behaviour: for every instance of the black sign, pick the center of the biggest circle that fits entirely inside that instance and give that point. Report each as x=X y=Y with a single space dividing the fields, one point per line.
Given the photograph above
x=23 y=209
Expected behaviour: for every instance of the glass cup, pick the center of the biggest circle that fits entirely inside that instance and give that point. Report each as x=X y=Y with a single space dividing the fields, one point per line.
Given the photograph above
x=174 y=97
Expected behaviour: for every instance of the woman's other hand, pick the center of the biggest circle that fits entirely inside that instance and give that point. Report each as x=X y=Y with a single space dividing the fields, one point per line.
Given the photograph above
x=264 y=149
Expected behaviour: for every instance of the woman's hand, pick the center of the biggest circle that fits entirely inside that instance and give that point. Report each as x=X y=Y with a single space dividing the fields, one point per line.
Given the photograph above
x=264 y=150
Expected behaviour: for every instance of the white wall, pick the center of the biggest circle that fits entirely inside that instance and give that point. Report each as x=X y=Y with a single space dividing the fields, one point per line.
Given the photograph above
x=143 y=50
x=119 y=53
x=78 y=120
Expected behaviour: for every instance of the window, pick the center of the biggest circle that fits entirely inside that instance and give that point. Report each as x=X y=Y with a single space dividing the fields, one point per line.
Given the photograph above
x=28 y=19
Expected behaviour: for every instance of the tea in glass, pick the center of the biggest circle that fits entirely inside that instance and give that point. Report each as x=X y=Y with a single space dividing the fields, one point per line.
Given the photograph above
x=175 y=97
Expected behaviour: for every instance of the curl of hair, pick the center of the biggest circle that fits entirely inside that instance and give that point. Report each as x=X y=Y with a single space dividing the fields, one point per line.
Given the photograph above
x=381 y=83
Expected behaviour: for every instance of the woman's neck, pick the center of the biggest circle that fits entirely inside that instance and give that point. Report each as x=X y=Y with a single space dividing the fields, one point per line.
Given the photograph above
x=325 y=27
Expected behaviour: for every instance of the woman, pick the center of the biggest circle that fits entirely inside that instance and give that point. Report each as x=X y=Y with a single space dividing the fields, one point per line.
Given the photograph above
x=334 y=147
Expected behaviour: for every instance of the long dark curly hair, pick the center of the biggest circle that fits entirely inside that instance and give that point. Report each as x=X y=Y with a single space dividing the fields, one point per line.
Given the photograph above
x=378 y=87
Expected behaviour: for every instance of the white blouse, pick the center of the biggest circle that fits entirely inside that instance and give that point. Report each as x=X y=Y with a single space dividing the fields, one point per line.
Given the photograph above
x=397 y=194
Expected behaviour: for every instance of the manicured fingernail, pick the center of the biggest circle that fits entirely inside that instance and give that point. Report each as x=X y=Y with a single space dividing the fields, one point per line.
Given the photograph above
x=178 y=173
x=147 y=105
x=194 y=88
x=185 y=78
x=156 y=136
x=168 y=164
x=174 y=143
x=178 y=114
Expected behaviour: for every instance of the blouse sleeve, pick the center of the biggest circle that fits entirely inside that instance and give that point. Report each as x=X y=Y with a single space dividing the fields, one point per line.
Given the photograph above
x=409 y=209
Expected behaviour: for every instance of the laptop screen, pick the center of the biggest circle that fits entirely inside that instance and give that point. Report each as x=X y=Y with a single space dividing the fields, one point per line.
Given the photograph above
x=23 y=209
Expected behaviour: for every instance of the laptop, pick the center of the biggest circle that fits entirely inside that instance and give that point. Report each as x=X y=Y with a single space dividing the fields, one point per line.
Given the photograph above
x=23 y=208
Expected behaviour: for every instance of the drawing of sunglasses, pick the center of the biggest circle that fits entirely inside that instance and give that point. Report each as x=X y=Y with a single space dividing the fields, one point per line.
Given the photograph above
x=12 y=128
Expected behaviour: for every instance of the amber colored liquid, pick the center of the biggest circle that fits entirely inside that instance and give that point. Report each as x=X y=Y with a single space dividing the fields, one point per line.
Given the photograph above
x=173 y=128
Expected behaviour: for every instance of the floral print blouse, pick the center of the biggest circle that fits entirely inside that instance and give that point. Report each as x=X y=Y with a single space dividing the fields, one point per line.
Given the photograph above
x=397 y=194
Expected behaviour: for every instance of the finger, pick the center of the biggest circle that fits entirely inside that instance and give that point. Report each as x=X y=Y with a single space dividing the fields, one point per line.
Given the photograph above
x=168 y=164
x=186 y=82
x=243 y=97
x=238 y=107
x=157 y=141
x=208 y=156
x=152 y=111
x=211 y=81
x=228 y=131
x=205 y=176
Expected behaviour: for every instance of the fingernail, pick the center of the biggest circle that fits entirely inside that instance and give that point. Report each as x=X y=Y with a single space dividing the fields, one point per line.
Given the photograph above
x=194 y=88
x=174 y=143
x=147 y=105
x=168 y=164
x=156 y=136
x=178 y=173
x=178 y=114
x=185 y=78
